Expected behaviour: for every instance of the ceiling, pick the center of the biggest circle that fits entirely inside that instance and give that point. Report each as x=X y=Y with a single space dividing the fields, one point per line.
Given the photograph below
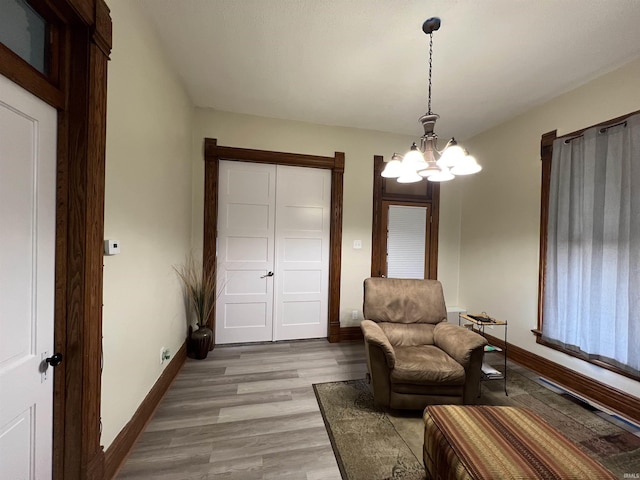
x=364 y=63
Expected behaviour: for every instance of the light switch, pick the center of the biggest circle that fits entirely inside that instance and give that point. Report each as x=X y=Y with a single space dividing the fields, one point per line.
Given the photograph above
x=357 y=244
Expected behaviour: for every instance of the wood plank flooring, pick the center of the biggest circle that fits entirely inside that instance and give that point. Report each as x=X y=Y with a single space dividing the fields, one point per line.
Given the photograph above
x=248 y=413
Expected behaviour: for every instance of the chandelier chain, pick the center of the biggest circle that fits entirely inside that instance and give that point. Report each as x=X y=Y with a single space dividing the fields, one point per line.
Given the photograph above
x=430 y=57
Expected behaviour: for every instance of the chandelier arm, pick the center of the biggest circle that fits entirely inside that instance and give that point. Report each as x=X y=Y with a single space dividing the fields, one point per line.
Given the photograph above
x=449 y=143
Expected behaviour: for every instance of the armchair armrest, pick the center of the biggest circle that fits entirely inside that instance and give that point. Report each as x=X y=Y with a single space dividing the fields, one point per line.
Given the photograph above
x=458 y=342
x=374 y=335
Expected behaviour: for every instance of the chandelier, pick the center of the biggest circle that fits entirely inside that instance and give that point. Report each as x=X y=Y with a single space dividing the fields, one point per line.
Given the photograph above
x=427 y=161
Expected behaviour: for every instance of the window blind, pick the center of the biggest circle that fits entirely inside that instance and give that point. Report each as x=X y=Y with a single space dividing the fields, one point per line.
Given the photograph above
x=406 y=241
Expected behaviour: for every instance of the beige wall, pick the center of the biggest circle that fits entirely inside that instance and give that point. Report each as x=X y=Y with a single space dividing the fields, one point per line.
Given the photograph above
x=147 y=208
x=359 y=146
x=501 y=210
x=489 y=223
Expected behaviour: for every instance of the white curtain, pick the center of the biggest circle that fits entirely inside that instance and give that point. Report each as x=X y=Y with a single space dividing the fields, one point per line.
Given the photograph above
x=592 y=283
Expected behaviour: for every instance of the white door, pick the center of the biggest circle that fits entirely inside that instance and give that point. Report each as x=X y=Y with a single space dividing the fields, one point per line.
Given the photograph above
x=273 y=252
x=303 y=203
x=27 y=236
x=246 y=228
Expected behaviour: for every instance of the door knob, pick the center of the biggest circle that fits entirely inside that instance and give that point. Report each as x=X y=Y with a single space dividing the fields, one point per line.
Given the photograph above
x=270 y=274
x=54 y=360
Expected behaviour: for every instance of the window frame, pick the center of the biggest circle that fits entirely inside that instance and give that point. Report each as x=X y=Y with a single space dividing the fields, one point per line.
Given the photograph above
x=429 y=197
x=546 y=155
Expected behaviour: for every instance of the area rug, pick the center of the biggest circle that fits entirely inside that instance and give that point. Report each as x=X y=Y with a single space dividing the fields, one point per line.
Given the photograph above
x=372 y=444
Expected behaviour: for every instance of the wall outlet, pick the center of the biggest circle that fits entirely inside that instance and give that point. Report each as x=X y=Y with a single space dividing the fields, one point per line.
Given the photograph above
x=354 y=315
x=164 y=355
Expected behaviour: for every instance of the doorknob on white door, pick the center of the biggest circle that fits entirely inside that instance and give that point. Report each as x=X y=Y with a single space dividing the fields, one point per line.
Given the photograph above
x=270 y=274
x=54 y=360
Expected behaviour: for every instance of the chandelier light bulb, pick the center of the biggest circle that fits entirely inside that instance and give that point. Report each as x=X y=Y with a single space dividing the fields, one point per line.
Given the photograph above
x=414 y=158
x=409 y=174
x=451 y=156
x=467 y=166
x=443 y=176
x=393 y=169
x=409 y=177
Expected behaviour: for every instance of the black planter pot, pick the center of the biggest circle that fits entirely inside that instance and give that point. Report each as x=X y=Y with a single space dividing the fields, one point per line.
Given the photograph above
x=200 y=342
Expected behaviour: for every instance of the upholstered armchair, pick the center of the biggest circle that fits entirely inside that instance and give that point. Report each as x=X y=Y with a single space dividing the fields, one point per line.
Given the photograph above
x=414 y=356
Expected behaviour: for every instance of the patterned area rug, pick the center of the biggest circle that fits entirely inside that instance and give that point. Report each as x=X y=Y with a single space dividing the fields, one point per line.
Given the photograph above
x=372 y=444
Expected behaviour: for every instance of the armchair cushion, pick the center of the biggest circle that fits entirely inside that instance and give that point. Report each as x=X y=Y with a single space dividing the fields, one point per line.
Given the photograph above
x=426 y=365
x=404 y=300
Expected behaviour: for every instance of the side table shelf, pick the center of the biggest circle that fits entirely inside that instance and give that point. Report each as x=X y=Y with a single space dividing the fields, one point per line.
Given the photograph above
x=477 y=323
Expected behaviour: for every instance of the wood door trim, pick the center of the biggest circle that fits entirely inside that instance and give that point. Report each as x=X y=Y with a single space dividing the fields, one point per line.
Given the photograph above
x=17 y=70
x=213 y=153
x=378 y=223
x=351 y=334
x=378 y=229
x=78 y=90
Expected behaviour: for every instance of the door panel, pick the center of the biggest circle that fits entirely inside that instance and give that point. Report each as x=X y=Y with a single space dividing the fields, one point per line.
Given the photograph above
x=302 y=253
x=246 y=227
x=27 y=234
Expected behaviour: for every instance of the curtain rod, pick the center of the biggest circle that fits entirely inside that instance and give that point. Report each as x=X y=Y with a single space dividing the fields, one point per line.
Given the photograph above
x=601 y=130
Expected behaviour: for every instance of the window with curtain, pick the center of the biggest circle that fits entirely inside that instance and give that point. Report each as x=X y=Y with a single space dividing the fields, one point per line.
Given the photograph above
x=591 y=285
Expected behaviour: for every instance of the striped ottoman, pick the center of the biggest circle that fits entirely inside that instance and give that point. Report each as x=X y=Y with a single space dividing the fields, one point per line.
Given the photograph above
x=488 y=442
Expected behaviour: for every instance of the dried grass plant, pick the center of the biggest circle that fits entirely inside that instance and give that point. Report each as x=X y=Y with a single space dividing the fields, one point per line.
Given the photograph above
x=199 y=288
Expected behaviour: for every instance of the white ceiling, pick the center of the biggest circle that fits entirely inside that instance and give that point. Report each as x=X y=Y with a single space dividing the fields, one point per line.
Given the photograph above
x=363 y=63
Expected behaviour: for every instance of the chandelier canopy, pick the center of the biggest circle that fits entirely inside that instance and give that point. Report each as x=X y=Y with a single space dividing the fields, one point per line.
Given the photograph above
x=426 y=161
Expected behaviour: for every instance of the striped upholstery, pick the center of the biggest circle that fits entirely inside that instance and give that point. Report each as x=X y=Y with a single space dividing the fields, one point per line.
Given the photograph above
x=490 y=442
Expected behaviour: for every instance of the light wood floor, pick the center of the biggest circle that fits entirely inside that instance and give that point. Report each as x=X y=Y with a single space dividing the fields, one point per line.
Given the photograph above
x=246 y=412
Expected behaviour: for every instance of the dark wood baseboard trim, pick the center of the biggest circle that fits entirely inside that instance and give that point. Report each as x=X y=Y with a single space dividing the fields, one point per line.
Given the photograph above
x=119 y=450
x=350 y=334
x=605 y=395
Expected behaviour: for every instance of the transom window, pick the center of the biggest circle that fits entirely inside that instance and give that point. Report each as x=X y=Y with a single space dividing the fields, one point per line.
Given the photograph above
x=26 y=33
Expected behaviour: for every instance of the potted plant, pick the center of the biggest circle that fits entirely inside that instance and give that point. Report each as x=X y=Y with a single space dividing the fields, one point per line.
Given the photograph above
x=199 y=289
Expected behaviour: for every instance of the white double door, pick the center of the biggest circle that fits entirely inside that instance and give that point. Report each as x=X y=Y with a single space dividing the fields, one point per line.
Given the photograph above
x=273 y=252
x=27 y=260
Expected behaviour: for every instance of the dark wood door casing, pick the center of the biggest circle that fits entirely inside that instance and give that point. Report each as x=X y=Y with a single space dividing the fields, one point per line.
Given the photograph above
x=77 y=87
x=213 y=153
